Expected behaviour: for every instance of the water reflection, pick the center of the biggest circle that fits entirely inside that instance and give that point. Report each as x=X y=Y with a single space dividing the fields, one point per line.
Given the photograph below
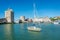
x=35 y=33
x=8 y=32
x=22 y=25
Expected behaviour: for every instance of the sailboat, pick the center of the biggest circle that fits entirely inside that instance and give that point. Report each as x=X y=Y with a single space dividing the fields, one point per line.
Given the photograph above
x=34 y=28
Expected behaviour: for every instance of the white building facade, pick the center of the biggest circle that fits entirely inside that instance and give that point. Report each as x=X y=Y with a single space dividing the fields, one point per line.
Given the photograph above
x=9 y=15
x=22 y=18
x=45 y=19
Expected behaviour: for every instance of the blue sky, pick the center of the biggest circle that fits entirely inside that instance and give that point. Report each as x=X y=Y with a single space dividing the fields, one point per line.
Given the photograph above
x=44 y=8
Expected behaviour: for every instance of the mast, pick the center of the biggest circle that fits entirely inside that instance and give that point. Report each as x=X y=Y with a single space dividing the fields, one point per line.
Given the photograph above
x=34 y=10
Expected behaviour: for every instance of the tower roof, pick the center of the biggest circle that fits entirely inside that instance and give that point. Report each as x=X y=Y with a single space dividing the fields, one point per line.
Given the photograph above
x=9 y=9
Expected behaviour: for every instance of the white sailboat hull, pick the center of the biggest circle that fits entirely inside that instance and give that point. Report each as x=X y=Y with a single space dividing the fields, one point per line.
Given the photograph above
x=34 y=28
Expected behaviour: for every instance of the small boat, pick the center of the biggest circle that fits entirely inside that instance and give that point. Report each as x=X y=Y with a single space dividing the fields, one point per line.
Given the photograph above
x=33 y=28
x=56 y=22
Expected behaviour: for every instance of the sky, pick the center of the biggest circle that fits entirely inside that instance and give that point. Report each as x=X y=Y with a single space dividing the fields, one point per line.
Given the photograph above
x=25 y=8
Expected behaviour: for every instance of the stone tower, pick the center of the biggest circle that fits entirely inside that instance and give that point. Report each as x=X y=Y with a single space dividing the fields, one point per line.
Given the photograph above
x=9 y=15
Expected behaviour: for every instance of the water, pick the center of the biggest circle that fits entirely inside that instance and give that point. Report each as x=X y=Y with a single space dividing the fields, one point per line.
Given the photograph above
x=19 y=32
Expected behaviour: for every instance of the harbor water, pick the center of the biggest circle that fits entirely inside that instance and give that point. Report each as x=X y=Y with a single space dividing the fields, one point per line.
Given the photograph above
x=19 y=32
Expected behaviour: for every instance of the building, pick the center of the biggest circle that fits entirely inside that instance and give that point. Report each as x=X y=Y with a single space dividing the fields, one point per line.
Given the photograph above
x=57 y=17
x=30 y=20
x=46 y=19
x=38 y=20
x=9 y=15
x=3 y=20
x=22 y=18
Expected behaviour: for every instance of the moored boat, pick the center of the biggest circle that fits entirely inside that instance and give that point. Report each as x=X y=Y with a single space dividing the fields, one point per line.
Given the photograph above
x=34 y=28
